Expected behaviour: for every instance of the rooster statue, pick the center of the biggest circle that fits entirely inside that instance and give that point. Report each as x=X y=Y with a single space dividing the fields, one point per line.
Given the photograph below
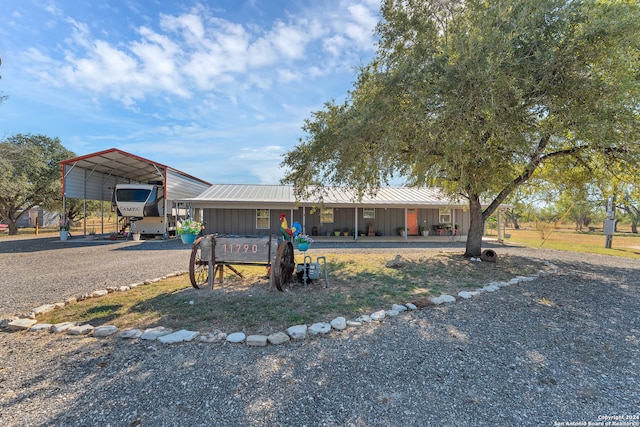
x=287 y=232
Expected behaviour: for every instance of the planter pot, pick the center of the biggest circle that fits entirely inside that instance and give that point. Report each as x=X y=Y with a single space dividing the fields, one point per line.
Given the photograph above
x=302 y=246
x=64 y=235
x=188 y=239
x=136 y=237
x=336 y=233
x=91 y=237
x=425 y=233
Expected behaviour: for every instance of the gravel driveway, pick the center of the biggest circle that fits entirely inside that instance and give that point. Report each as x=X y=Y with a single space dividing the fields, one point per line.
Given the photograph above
x=561 y=350
x=44 y=270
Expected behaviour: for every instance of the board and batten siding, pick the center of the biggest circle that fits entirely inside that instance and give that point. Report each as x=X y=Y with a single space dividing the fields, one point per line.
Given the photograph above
x=243 y=221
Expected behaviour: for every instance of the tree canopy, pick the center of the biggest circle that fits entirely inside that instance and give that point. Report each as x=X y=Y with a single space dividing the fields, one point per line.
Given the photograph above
x=29 y=174
x=476 y=96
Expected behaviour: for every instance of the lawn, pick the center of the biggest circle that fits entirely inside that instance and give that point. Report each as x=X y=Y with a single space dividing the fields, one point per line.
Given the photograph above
x=358 y=284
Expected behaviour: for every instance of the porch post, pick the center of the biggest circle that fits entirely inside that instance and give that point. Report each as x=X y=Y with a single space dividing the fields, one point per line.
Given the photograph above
x=453 y=221
x=406 y=232
x=355 y=231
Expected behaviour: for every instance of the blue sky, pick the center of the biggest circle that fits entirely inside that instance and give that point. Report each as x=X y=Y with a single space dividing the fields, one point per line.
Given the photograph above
x=216 y=89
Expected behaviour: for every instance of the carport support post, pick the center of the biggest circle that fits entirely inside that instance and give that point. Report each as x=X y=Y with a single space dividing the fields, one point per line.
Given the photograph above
x=609 y=224
x=212 y=259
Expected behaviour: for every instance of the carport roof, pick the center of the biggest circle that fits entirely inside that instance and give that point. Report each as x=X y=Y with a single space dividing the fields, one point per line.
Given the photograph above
x=124 y=165
x=93 y=176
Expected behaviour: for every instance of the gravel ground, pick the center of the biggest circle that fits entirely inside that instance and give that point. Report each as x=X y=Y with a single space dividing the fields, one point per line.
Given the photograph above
x=59 y=270
x=561 y=350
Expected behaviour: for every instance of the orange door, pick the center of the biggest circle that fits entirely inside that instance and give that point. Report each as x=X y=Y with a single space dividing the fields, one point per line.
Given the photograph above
x=412 y=222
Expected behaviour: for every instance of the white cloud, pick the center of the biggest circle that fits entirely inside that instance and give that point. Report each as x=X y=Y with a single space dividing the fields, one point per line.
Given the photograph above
x=198 y=51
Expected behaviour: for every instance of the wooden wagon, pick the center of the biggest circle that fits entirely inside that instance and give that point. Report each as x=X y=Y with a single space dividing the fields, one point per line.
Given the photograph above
x=211 y=254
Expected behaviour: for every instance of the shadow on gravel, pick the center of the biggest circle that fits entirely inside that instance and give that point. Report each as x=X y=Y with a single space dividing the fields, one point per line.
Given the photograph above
x=53 y=243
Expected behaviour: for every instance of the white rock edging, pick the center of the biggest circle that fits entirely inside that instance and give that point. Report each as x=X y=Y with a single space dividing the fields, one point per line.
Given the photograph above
x=297 y=332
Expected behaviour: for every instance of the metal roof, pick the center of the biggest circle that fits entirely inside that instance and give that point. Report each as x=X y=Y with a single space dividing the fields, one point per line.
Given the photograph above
x=93 y=175
x=249 y=195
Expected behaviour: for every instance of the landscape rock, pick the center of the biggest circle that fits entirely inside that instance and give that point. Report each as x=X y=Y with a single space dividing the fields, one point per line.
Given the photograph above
x=319 y=328
x=257 y=340
x=339 y=323
x=443 y=299
x=104 y=331
x=80 y=330
x=278 y=338
x=21 y=324
x=130 y=333
x=179 y=336
x=41 y=327
x=378 y=315
x=411 y=306
x=100 y=293
x=365 y=318
x=236 y=337
x=62 y=327
x=353 y=323
x=43 y=309
x=155 y=333
x=213 y=336
x=399 y=308
x=298 y=332
x=4 y=322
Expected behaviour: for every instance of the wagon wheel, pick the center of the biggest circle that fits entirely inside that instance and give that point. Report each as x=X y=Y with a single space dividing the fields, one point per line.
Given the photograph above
x=198 y=268
x=284 y=265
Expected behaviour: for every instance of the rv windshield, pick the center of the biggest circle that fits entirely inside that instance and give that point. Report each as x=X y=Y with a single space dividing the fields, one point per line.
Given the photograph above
x=139 y=195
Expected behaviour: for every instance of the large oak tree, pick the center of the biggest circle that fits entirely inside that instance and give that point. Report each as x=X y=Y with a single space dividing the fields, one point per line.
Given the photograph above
x=475 y=96
x=29 y=174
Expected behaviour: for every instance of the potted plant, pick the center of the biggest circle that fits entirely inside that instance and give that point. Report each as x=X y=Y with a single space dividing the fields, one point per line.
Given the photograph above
x=188 y=231
x=424 y=230
x=302 y=241
x=345 y=231
x=401 y=231
x=336 y=232
x=65 y=226
x=91 y=235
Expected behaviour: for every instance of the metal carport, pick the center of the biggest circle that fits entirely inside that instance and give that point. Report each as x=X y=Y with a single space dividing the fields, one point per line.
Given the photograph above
x=93 y=177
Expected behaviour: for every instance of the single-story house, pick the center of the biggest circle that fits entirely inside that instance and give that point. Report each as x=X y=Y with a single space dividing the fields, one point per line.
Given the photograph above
x=245 y=209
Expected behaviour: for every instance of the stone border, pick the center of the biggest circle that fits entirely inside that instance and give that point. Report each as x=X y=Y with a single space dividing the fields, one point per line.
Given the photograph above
x=294 y=333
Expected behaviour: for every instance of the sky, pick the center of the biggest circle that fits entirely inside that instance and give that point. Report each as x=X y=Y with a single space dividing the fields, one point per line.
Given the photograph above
x=216 y=89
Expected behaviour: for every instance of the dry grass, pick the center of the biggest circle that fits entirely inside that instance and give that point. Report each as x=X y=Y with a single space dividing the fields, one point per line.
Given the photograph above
x=623 y=244
x=358 y=283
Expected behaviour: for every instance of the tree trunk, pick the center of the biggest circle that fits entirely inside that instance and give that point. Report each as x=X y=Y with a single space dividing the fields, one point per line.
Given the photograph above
x=476 y=228
x=13 y=227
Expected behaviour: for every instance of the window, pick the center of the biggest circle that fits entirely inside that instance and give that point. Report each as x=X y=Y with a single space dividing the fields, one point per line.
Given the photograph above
x=263 y=218
x=445 y=216
x=369 y=213
x=326 y=216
